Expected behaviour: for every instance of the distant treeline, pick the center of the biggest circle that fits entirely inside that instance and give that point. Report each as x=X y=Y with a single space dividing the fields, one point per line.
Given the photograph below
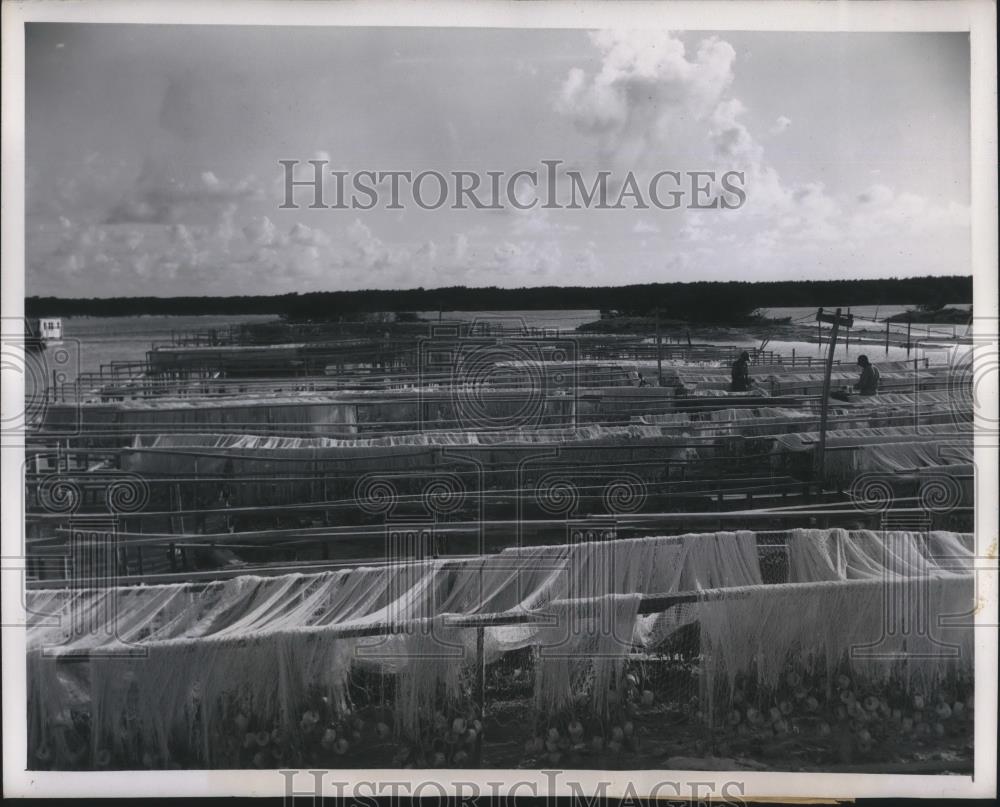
x=692 y=302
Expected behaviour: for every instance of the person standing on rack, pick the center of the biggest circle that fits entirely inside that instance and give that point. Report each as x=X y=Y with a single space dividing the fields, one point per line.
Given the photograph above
x=868 y=383
x=741 y=373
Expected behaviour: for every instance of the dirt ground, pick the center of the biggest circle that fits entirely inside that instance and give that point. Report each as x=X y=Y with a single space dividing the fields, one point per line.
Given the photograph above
x=669 y=740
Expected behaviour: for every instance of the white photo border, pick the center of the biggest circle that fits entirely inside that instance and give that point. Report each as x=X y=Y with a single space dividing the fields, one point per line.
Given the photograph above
x=976 y=16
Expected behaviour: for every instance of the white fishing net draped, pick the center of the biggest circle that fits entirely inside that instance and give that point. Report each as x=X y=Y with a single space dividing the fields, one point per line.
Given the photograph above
x=584 y=650
x=303 y=414
x=204 y=454
x=875 y=599
x=161 y=667
x=778 y=378
x=899 y=457
x=945 y=447
x=802 y=441
x=836 y=554
x=823 y=625
x=254 y=442
x=889 y=410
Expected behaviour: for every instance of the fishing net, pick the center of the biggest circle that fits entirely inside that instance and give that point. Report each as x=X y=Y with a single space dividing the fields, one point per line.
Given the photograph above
x=165 y=672
x=836 y=621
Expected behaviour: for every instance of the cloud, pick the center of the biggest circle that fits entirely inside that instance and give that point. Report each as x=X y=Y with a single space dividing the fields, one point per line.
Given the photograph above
x=528 y=259
x=159 y=198
x=695 y=227
x=645 y=86
x=730 y=137
x=263 y=233
x=588 y=265
x=781 y=123
x=140 y=211
x=635 y=99
x=303 y=235
x=369 y=251
x=880 y=210
x=537 y=221
x=225 y=229
x=179 y=234
x=801 y=229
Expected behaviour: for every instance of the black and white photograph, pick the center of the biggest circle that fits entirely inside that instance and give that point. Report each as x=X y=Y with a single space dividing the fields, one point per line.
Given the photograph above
x=398 y=396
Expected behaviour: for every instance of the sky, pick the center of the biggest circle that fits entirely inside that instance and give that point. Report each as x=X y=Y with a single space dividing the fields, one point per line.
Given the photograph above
x=152 y=155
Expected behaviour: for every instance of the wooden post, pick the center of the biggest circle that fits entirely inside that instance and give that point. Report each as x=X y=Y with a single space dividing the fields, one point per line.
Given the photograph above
x=836 y=321
x=887 y=338
x=908 y=325
x=480 y=692
x=659 y=352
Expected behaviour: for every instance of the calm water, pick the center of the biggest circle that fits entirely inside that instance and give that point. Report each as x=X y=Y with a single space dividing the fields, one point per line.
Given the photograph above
x=563 y=320
x=93 y=341
x=870 y=312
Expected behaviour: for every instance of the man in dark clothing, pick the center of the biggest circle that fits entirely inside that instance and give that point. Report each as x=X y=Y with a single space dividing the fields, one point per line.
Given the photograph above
x=868 y=383
x=741 y=373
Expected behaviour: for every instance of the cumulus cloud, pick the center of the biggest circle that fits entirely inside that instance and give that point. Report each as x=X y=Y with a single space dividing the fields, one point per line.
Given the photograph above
x=802 y=225
x=179 y=234
x=529 y=259
x=538 y=221
x=881 y=210
x=369 y=251
x=643 y=226
x=304 y=235
x=588 y=266
x=225 y=229
x=645 y=85
x=159 y=198
x=731 y=138
x=649 y=101
x=781 y=123
x=263 y=233
x=695 y=227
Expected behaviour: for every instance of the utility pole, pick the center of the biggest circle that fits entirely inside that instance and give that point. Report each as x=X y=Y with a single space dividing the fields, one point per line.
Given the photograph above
x=836 y=320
